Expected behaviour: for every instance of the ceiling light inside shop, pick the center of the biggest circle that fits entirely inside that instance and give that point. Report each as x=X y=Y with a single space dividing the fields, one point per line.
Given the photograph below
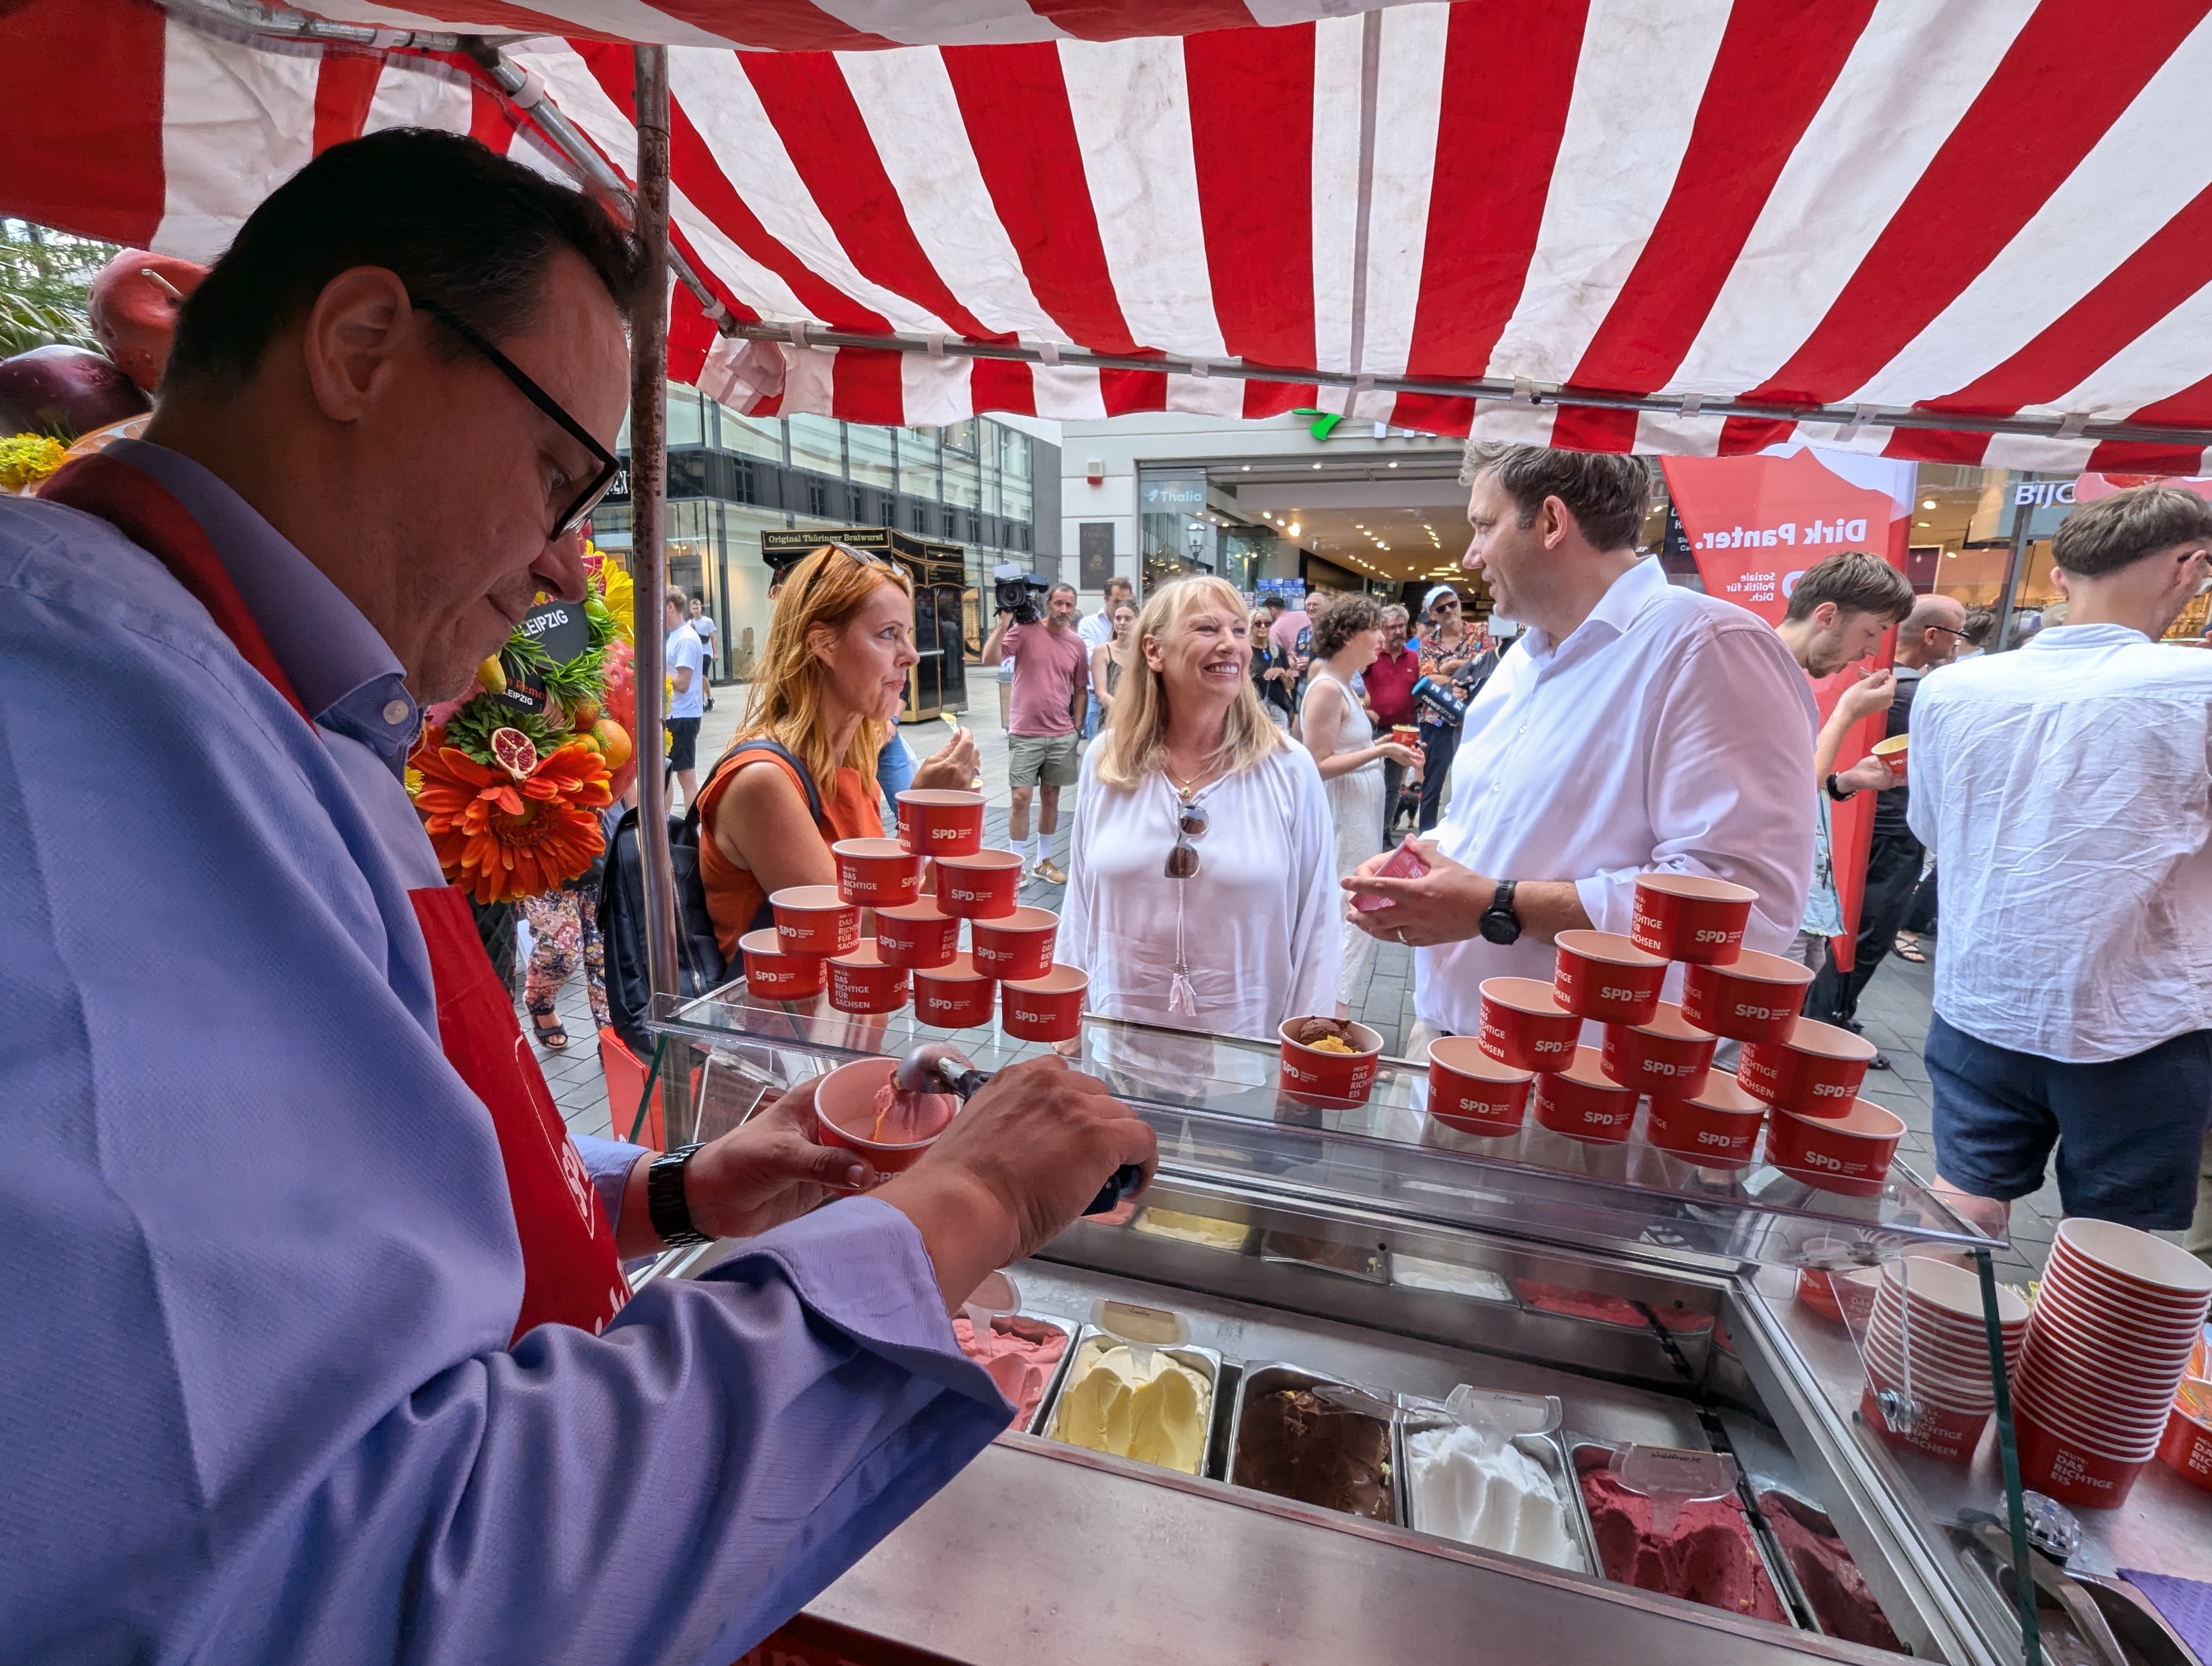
x=1394 y=465
x=1317 y=466
x=1293 y=529
x=1924 y=523
x=1927 y=502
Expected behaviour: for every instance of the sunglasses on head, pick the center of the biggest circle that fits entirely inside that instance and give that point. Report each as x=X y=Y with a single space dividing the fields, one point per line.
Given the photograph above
x=602 y=482
x=1190 y=826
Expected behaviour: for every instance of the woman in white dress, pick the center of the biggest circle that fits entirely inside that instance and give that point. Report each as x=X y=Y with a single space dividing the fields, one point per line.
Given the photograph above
x=1202 y=887
x=1342 y=740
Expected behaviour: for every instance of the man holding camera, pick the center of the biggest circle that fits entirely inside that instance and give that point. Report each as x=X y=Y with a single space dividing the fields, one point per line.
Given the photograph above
x=1051 y=680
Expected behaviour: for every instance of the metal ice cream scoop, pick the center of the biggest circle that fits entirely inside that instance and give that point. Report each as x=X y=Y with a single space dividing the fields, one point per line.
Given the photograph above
x=941 y=1067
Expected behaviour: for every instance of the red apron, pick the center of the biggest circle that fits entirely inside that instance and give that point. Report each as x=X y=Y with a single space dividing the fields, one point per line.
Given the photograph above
x=570 y=1274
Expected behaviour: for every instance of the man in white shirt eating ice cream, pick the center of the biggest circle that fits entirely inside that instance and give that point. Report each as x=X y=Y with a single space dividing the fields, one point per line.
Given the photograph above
x=1635 y=725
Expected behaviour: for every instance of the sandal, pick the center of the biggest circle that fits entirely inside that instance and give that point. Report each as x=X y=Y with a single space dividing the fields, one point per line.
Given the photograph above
x=1907 y=947
x=552 y=1040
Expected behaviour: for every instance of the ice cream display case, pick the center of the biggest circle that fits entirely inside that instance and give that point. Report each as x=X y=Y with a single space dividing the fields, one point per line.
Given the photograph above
x=1350 y=1383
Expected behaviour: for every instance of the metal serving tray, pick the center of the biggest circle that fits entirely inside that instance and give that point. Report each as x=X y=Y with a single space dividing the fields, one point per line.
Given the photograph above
x=1206 y=1361
x=1272 y=1375
x=1548 y=1450
x=1784 y=1583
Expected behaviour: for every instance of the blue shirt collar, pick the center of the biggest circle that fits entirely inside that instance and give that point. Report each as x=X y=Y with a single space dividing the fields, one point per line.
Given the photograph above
x=337 y=663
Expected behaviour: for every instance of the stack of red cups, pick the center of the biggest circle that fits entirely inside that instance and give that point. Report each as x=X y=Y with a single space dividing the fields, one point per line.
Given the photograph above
x=2116 y=1318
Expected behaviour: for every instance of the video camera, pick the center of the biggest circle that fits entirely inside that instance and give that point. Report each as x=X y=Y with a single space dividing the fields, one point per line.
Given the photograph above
x=1020 y=593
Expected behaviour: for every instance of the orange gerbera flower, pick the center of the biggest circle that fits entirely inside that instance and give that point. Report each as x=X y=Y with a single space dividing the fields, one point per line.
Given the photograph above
x=505 y=838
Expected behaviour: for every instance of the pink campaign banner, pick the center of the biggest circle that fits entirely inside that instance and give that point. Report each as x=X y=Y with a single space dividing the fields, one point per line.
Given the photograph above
x=1754 y=524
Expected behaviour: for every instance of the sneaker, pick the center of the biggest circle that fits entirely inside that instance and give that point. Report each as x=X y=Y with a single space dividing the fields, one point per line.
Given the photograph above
x=1880 y=1061
x=1049 y=870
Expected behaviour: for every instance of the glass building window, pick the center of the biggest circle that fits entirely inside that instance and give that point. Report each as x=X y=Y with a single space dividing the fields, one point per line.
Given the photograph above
x=917 y=460
x=869 y=453
x=754 y=436
x=687 y=426
x=964 y=483
x=818 y=443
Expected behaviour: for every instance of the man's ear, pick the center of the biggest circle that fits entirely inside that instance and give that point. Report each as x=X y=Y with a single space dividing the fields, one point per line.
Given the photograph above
x=353 y=333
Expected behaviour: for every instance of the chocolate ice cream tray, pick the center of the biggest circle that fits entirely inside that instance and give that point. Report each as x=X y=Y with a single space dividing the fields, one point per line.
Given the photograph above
x=1351 y=1261
x=1206 y=1362
x=1784 y=1583
x=1273 y=1378
x=1548 y=1450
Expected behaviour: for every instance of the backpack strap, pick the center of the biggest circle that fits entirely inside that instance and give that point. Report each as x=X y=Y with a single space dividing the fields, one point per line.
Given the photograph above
x=777 y=749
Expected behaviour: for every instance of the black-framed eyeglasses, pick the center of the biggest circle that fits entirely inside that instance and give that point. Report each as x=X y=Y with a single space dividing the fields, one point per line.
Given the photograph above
x=600 y=484
x=1947 y=631
x=1191 y=823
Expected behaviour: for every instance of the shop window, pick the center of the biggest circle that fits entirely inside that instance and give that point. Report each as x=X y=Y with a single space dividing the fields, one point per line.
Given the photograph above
x=818 y=500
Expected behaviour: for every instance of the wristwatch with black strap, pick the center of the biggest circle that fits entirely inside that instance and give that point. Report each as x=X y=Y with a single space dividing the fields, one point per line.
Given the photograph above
x=1499 y=924
x=1840 y=798
x=665 y=1204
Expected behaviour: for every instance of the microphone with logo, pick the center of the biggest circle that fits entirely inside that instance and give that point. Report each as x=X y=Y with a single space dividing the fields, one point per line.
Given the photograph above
x=1439 y=698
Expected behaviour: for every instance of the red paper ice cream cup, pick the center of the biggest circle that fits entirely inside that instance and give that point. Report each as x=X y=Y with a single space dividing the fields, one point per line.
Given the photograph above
x=1892 y=752
x=1045 y=1009
x=1309 y=1074
x=876 y=873
x=980 y=886
x=845 y=1101
x=1666 y=1055
x=932 y=822
x=2187 y=1448
x=1524 y=1025
x=1848 y=1154
x=1815 y=1072
x=775 y=975
x=1755 y=997
x=916 y=934
x=814 y=919
x=1017 y=946
x=2070 y=1471
x=1603 y=976
x=1944 y=1432
x=1471 y=1091
x=1691 y=918
x=954 y=996
x=863 y=982
x=1583 y=1103
x=1718 y=1126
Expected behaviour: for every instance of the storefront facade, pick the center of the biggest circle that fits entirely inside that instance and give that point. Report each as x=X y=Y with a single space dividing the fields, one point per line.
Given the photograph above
x=983 y=485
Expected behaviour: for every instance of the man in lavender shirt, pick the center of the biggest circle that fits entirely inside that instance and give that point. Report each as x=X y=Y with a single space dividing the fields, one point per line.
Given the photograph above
x=259 y=1264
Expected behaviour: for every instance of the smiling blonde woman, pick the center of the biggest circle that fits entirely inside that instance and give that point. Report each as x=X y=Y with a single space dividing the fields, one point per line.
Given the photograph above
x=1202 y=887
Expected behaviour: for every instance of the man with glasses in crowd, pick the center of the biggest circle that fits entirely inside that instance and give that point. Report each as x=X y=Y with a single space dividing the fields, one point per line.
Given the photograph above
x=318 y=1337
x=1927 y=639
x=1448 y=650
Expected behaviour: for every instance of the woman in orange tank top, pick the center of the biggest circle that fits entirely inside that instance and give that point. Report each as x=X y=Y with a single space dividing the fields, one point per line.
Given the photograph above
x=828 y=690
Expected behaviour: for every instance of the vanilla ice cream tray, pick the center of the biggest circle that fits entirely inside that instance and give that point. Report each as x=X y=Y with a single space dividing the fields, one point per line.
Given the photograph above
x=1549 y=1452
x=1206 y=1362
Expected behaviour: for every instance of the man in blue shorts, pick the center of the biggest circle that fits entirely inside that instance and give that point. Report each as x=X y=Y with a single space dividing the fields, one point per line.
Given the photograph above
x=2066 y=788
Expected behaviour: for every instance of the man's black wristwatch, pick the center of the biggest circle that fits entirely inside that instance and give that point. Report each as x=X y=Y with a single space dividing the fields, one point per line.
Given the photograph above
x=664 y=1199
x=1499 y=924
x=1840 y=798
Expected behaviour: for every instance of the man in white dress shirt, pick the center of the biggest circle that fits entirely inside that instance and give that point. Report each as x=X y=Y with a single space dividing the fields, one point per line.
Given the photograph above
x=1097 y=631
x=1635 y=725
x=2066 y=790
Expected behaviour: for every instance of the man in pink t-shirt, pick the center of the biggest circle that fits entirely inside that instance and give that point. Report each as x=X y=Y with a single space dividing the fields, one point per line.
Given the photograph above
x=1051 y=677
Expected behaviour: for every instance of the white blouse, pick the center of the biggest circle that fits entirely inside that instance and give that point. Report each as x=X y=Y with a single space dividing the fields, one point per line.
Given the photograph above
x=1263 y=918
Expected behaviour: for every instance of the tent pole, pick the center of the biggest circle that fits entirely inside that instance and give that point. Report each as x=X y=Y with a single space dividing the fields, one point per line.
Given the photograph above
x=649 y=494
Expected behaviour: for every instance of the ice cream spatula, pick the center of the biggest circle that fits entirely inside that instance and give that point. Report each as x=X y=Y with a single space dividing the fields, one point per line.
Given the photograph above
x=939 y=1068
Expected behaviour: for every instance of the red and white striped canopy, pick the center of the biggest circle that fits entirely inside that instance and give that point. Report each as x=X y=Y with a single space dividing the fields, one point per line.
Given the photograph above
x=1985 y=207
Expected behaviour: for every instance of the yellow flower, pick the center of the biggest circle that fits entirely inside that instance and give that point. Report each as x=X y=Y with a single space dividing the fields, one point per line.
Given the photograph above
x=619 y=592
x=28 y=459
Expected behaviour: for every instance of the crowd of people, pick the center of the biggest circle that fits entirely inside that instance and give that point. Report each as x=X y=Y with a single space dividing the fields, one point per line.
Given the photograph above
x=313 y=1296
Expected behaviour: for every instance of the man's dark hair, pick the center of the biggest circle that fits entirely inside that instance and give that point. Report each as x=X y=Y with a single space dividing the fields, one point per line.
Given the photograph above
x=1606 y=492
x=462 y=227
x=1856 y=582
x=1273 y=601
x=1980 y=622
x=2116 y=532
x=1348 y=616
x=1057 y=589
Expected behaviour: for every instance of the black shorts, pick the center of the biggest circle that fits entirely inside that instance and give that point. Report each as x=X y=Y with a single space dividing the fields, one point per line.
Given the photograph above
x=683 y=742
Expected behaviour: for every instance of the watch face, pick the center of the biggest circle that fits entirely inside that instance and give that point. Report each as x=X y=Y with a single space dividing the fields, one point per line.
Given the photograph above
x=1500 y=928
